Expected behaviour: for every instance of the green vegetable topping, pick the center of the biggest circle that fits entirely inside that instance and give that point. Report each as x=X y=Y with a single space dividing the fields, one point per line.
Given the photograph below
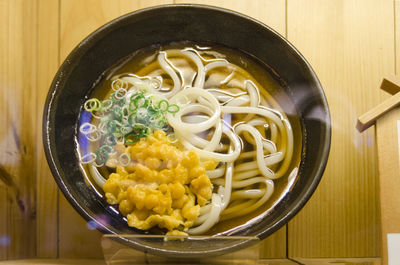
x=126 y=117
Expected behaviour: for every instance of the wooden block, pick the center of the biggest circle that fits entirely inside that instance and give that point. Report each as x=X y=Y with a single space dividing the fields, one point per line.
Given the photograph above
x=369 y=118
x=391 y=84
x=387 y=134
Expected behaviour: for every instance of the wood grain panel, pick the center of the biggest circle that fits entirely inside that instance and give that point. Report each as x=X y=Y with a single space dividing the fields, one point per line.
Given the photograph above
x=18 y=130
x=274 y=246
x=397 y=34
x=350 y=45
x=386 y=129
x=101 y=262
x=4 y=237
x=340 y=261
x=47 y=193
x=4 y=133
x=272 y=13
x=78 y=19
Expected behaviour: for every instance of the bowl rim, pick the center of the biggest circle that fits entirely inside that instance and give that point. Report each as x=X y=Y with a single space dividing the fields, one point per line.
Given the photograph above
x=48 y=108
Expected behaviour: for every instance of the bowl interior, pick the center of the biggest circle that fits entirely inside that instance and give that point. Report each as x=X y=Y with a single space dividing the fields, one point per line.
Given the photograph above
x=161 y=25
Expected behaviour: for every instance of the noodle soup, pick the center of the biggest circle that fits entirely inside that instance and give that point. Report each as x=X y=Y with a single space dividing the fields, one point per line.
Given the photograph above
x=186 y=139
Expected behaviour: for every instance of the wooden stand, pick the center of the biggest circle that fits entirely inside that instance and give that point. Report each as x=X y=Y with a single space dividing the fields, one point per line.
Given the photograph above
x=386 y=116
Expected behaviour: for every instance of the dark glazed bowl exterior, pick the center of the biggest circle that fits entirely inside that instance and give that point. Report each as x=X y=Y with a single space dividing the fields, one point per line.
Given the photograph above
x=164 y=24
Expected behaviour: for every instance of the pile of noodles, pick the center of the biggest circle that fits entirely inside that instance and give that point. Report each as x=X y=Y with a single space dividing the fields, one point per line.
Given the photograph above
x=221 y=117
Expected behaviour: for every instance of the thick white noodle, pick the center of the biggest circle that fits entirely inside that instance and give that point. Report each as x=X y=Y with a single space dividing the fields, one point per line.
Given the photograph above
x=200 y=77
x=97 y=177
x=213 y=216
x=269 y=160
x=162 y=60
x=208 y=155
x=216 y=173
x=249 y=206
x=209 y=145
x=247 y=194
x=223 y=191
x=175 y=120
x=227 y=189
x=267 y=172
x=218 y=63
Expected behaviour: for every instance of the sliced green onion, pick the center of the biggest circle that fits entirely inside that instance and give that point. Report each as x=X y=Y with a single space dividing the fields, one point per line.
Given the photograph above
x=102 y=128
x=117 y=113
x=124 y=159
x=163 y=105
x=124 y=120
x=106 y=104
x=88 y=158
x=171 y=138
x=119 y=83
x=87 y=128
x=119 y=138
x=110 y=140
x=94 y=136
x=102 y=156
x=173 y=108
x=92 y=104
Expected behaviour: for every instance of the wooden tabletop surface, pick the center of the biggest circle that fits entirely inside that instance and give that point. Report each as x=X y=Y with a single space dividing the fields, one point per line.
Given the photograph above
x=351 y=44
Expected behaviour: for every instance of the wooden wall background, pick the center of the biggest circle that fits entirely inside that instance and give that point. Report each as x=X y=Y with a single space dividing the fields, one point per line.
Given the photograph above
x=351 y=44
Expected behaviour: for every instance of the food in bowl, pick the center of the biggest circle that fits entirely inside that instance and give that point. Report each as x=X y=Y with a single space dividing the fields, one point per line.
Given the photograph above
x=189 y=138
x=284 y=72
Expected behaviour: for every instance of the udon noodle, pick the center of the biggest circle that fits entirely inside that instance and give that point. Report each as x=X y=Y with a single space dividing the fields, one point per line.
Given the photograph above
x=213 y=108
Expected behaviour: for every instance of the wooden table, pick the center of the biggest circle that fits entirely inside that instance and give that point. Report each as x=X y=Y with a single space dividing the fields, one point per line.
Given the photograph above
x=351 y=44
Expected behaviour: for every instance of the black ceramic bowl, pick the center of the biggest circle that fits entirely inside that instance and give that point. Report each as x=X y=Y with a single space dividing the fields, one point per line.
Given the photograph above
x=165 y=24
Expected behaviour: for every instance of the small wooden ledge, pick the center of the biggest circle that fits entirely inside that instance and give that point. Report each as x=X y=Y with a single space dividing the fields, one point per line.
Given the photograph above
x=391 y=85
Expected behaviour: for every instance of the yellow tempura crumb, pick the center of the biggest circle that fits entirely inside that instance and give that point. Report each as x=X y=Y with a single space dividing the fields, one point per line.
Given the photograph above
x=162 y=186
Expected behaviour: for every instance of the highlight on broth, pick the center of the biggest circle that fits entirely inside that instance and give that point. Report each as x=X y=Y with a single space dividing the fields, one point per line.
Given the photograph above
x=185 y=142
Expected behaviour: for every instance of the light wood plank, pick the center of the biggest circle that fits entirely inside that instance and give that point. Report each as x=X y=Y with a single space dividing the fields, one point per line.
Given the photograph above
x=4 y=237
x=4 y=134
x=101 y=262
x=350 y=45
x=272 y=13
x=276 y=262
x=47 y=194
x=340 y=261
x=389 y=175
x=370 y=117
x=54 y=262
x=397 y=34
x=19 y=128
x=78 y=19
x=337 y=261
x=274 y=246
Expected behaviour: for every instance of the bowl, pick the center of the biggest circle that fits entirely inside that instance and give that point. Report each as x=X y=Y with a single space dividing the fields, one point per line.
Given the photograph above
x=165 y=24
